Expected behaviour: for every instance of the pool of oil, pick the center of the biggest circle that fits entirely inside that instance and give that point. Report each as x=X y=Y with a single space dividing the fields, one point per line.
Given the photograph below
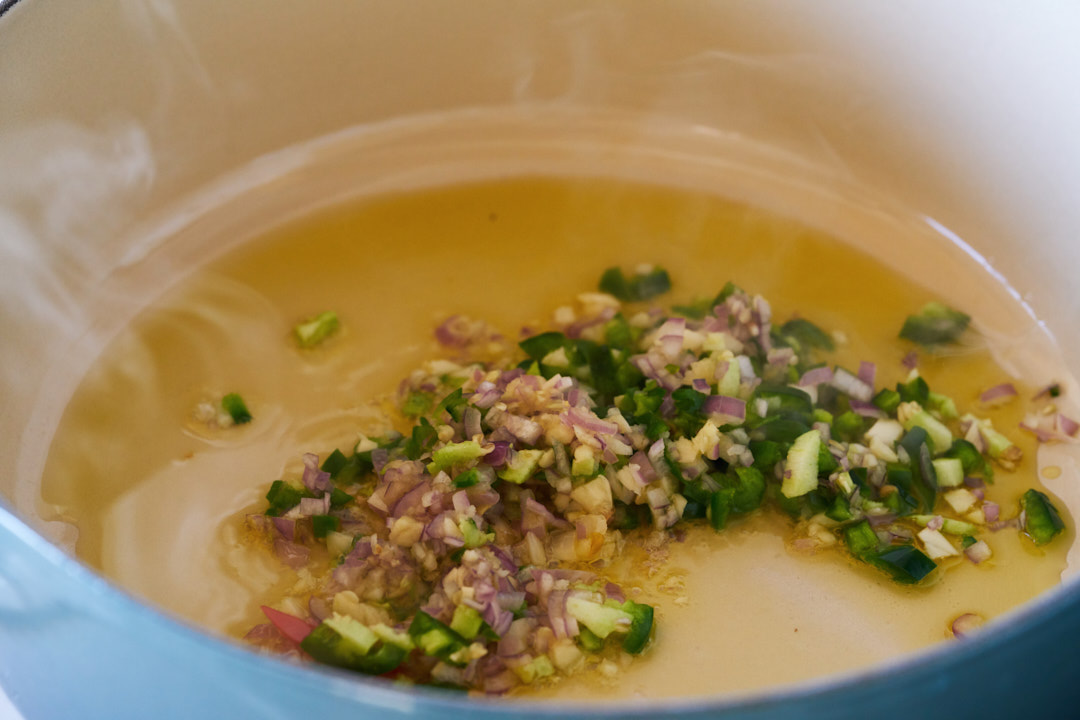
x=157 y=500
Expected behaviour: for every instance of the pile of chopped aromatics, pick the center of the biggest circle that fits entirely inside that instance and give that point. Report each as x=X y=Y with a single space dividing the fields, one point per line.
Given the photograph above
x=470 y=551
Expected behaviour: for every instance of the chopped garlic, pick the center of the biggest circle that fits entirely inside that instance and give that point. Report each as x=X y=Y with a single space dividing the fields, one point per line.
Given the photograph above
x=961 y=500
x=936 y=544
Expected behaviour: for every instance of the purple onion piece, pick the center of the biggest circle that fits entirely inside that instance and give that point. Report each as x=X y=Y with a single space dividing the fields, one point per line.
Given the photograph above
x=614 y=592
x=673 y=326
x=486 y=395
x=319 y=608
x=866 y=409
x=453 y=332
x=646 y=472
x=285 y=527
x=293 y=555
x=574 y=330
x=576 y=417
x=539 y=512
x=816 y=376
x=314 y=506
x=411 y=501
x=852 y=386
x=502 y=682
x=868 y=373
x=713 y=324
x=315 y=479
x=998 y=393
x=656 y=452
x=725 y=410
x=978 y=552
x=379 y=458
x=966 y=624
x=523 y=429
x=498 y=455
x=780 y=357
x=880 y=520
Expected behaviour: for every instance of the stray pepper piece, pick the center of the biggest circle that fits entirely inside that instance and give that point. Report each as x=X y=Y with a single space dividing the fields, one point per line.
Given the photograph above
x=237 y=409
x=314 y=330
x=344 y=642
x=641 y=624
x=436 y=639
x=637 y=287
x=1042 y=521
x=935 y=324
x=906 y=564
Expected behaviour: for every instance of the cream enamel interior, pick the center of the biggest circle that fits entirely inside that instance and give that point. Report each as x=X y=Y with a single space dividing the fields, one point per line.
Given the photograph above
x=182 y=96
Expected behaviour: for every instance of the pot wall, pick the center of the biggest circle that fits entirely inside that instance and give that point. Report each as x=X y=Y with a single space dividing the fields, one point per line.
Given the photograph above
x=112 y=113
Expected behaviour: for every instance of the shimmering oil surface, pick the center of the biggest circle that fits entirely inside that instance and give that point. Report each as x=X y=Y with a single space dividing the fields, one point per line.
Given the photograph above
x=156 y=499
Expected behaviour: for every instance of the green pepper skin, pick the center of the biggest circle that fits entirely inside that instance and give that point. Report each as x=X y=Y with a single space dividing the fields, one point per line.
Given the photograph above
x=326 y=646
x=237 y=409
x=1043 y=521
x=906 y=564
x=640 y=627
x=935 y=324
x=435 y=638
x=720 y=504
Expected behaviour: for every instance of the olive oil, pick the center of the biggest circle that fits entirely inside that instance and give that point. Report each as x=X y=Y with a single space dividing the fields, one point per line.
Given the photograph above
x=159 y=499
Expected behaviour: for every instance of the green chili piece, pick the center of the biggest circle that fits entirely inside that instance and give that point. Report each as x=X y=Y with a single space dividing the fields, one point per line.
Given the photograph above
x=888 y=400
x=344 y=642
x=720 y=505
x=905 y=563
x=641 y=622
x=467 y=479
x=234 y=405
x=339 y=498
x=848 y=426
x=454 y=454
x=861 y=539
x=637 y=287
x=619 y=333
x=914 y=390
x=766 y=454
x=779 y=430
x=282 y=496
x=416 y=403
x=968 y=455
x=313 y=331
x=804 y=335
x=1042 y=521
x=436 y=639
x=539 y=346
x=749 y=489
x=334 y=463
x=422 y=440
x=589 y=640
x=322 y=525
x=454 y=404
x=840 y=510
x=935 y=324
